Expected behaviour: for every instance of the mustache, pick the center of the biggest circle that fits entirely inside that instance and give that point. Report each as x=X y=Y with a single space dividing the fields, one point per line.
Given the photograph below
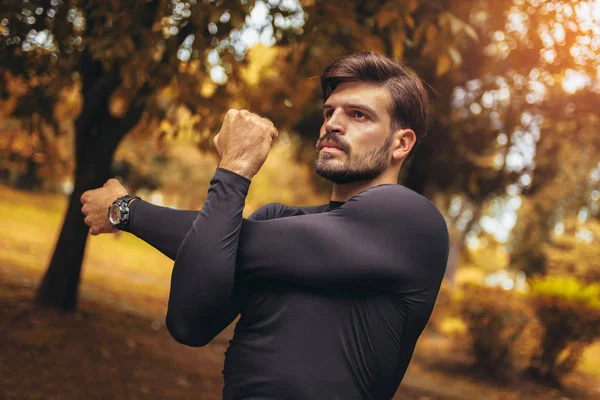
x=334 y=138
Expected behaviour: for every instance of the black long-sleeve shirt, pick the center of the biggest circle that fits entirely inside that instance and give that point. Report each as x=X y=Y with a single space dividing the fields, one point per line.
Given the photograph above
x=332 y=298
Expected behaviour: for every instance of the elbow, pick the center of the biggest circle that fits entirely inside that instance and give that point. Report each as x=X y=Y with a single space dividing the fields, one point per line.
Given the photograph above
x=183 y=332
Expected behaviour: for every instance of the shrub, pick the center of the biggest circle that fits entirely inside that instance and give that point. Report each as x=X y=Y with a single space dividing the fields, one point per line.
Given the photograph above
x=441 y=310
x=496 y=320
x=569 y=312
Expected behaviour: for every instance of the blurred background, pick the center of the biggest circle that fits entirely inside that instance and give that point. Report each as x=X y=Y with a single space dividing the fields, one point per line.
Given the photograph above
x=137 y=89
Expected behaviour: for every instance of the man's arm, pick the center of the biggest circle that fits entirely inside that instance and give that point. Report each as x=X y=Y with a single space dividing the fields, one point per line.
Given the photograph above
x=202 y=283
x=203 y=298
x=361 y=244
x=326 y=249
x=161 y=227
x=165 y=229
x=386 y=238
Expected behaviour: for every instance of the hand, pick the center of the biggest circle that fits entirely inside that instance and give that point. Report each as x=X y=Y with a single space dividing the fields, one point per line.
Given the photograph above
x=244 y=141
x=96 y=203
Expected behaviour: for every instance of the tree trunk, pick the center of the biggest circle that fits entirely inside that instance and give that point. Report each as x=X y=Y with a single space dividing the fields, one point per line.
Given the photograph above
x=29 y=179
x=59 y=287
x=98 y=135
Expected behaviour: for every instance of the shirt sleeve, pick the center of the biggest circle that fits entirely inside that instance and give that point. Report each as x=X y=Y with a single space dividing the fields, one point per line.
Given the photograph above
x=386 y=238
x=202 y=296
x=165 y=229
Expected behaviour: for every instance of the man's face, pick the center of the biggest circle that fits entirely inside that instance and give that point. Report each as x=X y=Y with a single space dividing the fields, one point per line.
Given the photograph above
x=355 y=141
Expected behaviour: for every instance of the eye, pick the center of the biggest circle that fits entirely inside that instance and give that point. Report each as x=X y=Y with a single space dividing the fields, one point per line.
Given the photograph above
x=327 y=113
x=358 y=115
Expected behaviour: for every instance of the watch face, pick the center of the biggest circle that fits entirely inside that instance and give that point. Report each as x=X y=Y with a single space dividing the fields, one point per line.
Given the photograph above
x=115 y=214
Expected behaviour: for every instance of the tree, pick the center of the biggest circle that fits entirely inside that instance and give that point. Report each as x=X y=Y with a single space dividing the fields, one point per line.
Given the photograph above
x=525 y=108
x=121 y=56
x=135 y=59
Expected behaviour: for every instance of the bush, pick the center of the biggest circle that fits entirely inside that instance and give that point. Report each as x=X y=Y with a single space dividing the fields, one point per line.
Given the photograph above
x=569 y=312
x=496 y=320
x=441 y=310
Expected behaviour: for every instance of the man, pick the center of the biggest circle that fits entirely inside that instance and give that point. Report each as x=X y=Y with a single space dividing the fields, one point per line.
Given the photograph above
x=333 y=297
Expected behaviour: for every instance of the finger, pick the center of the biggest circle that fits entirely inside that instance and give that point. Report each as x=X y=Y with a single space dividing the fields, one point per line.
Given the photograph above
x=87 y=195
x=231 y=113
x=88 y=220
x=112 y=181
x=85 y=209
x=274 y=133
x=250 y=114
x=216 y=143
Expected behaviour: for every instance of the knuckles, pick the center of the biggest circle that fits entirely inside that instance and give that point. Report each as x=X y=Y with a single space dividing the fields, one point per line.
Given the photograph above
x=251 y=120
x=231 y=113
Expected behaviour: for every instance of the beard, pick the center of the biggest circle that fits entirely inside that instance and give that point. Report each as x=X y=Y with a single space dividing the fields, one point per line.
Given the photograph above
x=349 y=167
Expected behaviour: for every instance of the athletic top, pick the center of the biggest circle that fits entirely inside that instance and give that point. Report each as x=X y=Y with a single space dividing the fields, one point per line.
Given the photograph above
x=332 y=298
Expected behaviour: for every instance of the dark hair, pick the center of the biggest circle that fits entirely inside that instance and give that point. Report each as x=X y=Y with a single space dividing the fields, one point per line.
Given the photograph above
x=410 y=106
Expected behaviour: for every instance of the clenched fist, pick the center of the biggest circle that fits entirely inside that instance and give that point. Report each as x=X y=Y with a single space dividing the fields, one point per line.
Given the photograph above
x=96 y=203
x=244 y=141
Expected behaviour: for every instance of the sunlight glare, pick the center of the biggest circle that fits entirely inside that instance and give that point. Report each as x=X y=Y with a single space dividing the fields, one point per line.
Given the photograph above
x=574 y=81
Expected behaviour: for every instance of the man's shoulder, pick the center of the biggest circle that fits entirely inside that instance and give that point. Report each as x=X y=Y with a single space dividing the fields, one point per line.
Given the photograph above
x=392 y=196
x=280 y=210
x=397 y=202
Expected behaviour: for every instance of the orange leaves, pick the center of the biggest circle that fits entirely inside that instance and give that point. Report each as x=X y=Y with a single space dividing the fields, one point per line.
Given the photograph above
x=443 y=65
x=388 y=14
x=440 y=39
x=398 y=48
x=397 y=12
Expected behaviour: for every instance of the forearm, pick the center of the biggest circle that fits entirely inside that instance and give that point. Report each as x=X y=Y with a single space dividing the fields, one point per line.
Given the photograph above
x=165 y=228
x=161 y=227
x=202 y=283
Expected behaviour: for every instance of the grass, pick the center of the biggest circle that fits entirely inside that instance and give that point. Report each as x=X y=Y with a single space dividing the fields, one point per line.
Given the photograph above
x=119 y=266
x=124 y=293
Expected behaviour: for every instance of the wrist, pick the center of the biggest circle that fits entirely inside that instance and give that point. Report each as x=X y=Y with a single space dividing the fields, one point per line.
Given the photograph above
x=238 y=167
x=119 y=212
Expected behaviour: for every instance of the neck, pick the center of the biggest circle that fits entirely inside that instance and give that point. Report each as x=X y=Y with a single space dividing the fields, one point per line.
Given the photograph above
x=344 y=192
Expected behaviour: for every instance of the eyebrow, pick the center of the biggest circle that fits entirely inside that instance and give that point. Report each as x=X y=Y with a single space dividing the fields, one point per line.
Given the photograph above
x=356 y=106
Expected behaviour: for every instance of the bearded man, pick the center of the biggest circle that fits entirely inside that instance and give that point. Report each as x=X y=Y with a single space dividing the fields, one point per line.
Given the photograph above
x=332 y=298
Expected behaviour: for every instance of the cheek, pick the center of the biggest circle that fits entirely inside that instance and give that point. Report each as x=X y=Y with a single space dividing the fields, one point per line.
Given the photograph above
x=322 y=131
x=366 y=138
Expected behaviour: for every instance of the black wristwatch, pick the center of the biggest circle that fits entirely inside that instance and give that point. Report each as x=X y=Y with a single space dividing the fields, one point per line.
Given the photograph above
x=118 y=212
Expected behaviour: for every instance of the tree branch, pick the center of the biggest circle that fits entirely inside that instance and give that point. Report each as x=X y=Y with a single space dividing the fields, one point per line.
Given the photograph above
x=134 y=112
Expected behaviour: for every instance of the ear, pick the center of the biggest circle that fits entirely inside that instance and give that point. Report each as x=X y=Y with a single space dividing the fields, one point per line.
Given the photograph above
x=404 y=141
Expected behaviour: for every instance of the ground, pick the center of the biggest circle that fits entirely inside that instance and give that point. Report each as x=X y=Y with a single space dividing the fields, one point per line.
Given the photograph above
x=116 y=346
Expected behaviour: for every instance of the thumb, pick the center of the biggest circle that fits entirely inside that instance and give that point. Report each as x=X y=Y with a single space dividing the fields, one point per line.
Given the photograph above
x=216 y=143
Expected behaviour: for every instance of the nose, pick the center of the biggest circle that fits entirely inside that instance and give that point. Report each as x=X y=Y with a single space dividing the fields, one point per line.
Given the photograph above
x=335 y=122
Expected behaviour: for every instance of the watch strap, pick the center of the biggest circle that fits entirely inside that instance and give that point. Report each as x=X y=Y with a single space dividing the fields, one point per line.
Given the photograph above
x=123 y=204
